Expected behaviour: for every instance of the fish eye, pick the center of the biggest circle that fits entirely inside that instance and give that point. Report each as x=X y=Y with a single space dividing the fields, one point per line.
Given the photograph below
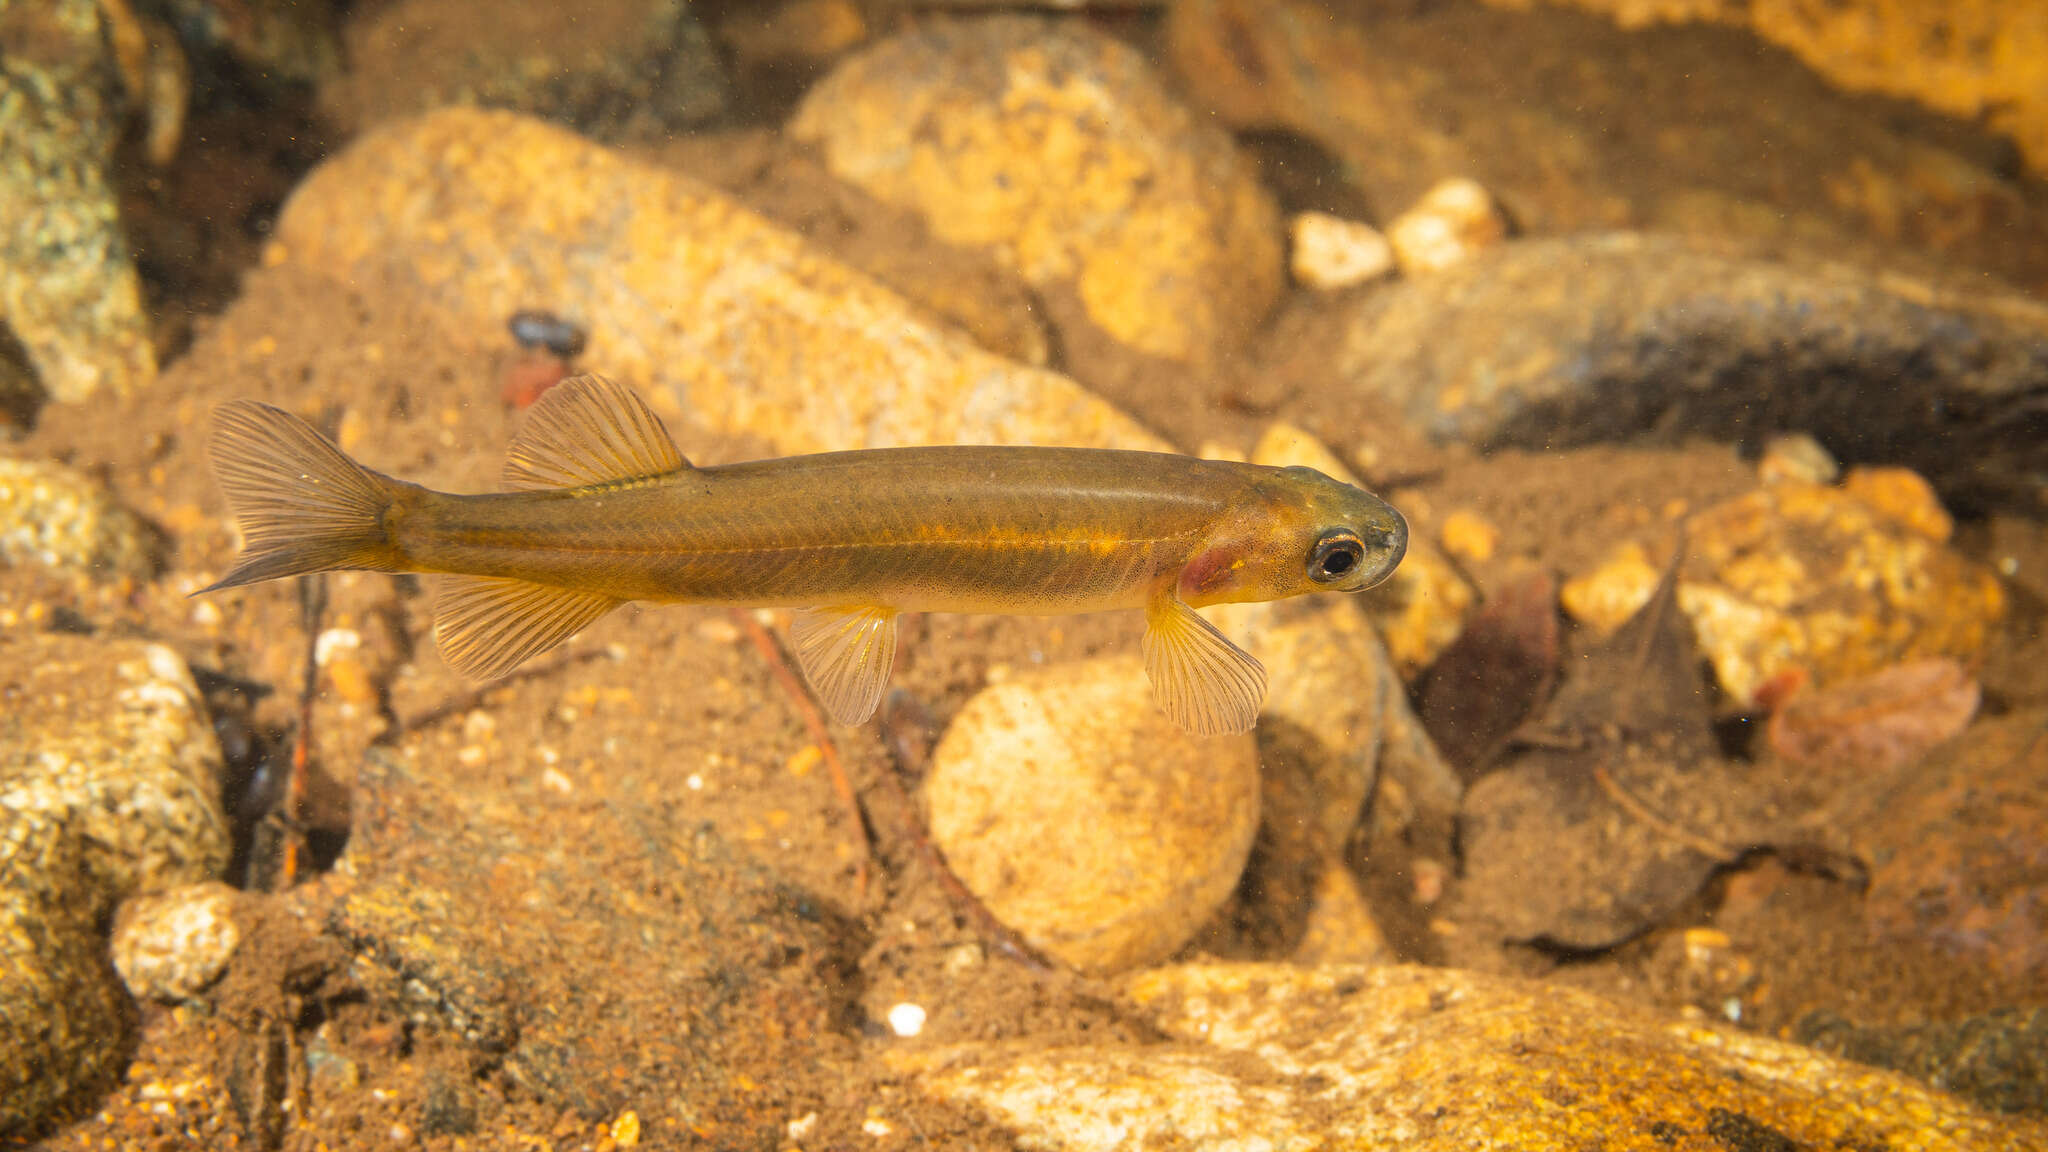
x=1334 y=557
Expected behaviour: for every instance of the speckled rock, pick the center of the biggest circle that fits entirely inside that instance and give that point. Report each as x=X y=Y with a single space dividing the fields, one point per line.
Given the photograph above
x=1968 y=58
x=68 y=289
x=736 y=320
x=1152 y=826
x=1284 y=1058
x=1813 y=583
x=171 y=945
x=1548 y=343
x=108 y=769
x=56 y=517
x=611 y=958
x=611 y=69
x=1062 y=150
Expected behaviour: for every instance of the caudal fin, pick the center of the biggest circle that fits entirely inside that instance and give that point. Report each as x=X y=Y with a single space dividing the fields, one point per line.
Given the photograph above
x=303 y=505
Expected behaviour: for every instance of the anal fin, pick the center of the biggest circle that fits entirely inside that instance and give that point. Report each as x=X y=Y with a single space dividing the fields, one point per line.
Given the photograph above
x=846 y=654
x=488 y=625
x=1204 y=683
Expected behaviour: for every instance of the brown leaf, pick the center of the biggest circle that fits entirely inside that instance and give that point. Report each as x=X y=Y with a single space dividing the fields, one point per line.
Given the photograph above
x=1501 y=667
x=1877 y=723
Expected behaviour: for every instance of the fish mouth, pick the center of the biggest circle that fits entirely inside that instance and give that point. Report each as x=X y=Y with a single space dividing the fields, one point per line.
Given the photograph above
x=1388 y=544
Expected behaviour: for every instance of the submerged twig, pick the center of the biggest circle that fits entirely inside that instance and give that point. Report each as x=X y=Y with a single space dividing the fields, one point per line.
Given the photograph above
x=777 y=660
x=291 y=821
x=1712 y=849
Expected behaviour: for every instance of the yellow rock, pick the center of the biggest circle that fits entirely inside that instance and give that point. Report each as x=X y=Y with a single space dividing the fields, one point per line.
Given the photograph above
x=1905 y=496
x=1469 y=536
x=1821 y=582
x=683 y=288
x=1430 y=1060
x=1085 y=820
x=1061 y=150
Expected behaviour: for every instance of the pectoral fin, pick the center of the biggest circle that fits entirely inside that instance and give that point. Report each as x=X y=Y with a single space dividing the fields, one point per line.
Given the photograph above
x=488 y=625
x=846 y=654
x=1205 y=684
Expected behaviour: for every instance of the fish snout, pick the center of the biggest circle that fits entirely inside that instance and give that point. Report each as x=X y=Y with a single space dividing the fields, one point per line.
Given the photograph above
x=1386 y=542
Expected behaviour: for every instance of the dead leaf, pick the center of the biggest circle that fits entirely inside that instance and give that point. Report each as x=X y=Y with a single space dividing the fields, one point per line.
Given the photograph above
x=1879 y=723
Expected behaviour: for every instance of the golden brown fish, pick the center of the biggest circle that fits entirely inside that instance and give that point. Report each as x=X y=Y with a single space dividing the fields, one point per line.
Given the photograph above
x=609 y=511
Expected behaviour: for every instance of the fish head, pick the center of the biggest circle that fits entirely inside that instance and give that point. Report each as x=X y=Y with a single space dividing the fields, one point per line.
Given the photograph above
x=1297 y=532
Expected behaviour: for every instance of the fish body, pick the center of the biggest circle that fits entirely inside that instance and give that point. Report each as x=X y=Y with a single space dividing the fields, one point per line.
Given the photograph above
x=608 y=511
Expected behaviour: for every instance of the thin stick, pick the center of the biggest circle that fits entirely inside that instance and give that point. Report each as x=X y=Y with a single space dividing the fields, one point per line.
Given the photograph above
x=814 y=722
x=312 y=610
x=1711 y=849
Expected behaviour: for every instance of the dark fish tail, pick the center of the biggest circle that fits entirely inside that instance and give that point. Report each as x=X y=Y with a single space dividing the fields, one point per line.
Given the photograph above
x=303 y=505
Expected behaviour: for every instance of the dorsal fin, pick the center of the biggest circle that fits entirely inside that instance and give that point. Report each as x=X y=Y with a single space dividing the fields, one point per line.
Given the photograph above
x=589 y=430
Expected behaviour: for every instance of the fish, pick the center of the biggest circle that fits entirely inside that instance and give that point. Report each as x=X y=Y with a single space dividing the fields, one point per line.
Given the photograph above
x=603 y=509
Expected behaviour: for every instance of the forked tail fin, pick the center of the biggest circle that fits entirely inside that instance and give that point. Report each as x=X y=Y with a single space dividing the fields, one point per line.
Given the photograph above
x=303 y=505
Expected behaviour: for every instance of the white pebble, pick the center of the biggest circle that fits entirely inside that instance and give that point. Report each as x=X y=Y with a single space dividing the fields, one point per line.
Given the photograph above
x=906 y=1020
x=1452 y=222
x=333 y=641
x=1330 y=252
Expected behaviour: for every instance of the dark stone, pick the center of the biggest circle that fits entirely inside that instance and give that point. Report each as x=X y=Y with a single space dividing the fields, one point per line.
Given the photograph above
x=1620 y=336
x=1998 y=1059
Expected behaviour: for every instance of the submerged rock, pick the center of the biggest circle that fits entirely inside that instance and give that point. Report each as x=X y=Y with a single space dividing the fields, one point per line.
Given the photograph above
x=1984 y=60
x=55 y=517
x=68 y=289
x=1550 y=343
x=1061 y=149
x=611 y=959
x=108 y=770
x=1693 y=131
x=1959 y=849
x=610 y=69
x=171 y=945
x=1085 y=820
x=1807 y=583
x=681 y=288
x=1342 y=1057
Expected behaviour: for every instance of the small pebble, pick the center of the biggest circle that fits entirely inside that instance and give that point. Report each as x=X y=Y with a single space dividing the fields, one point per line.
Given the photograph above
x=173 y=944
x=1469 y=536
x=1329 y=252
x=1797 y=457
x=1453 y=221
x=906 y=1020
